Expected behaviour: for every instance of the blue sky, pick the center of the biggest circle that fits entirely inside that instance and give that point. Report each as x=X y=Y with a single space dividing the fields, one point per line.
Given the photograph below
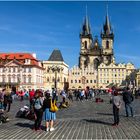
x=41 y=27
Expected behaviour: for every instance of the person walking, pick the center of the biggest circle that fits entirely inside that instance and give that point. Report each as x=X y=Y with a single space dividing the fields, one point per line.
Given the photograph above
x=128 y=99
x=116 y=100
x=48 y=115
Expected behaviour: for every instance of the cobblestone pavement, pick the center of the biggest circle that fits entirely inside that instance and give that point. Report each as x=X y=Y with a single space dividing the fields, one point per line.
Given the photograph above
x=82 y=120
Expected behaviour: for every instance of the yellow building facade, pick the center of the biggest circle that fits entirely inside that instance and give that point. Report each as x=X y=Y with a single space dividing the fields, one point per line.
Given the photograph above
x=138 y=79
x=56 y=72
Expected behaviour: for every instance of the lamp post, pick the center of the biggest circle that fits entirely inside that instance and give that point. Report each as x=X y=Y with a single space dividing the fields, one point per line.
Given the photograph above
x=55 y=69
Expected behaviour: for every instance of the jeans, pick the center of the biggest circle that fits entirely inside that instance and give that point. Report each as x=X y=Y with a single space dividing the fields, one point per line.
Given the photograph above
x=116 y=114
x=128 y=107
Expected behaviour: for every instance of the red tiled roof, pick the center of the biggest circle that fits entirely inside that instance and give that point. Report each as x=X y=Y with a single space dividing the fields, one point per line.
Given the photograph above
x=20 y=57
x=17 y=56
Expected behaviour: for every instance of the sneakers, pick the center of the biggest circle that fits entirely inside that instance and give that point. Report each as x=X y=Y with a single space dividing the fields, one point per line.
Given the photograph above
x=52 y=129
x=47 y=129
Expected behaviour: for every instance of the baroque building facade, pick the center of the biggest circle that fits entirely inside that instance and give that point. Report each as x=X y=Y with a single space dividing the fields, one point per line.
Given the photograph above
x=21 y=71
x=97 y=67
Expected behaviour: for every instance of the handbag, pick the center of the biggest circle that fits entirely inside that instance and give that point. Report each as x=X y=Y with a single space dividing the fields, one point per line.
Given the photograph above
x=53 y=108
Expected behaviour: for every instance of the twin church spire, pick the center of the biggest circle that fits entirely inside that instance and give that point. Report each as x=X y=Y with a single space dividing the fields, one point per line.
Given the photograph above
x=107 y=30
x=91 y=52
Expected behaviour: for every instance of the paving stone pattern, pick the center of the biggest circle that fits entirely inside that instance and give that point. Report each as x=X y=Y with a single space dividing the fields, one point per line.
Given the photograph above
x=82 y=120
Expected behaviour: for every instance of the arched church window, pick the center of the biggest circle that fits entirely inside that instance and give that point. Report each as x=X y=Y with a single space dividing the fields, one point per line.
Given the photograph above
x=96 y=63
x=47 y=79
x=58 y=79
x=85 y=44
x=107 y=44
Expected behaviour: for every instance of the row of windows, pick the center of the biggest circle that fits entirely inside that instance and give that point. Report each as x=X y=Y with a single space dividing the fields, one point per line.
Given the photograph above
x=112 y=70
x=80 y=81
x=115 y=75
x=16 y=79
x=58 y=79
x=120 y=65
x=77 y=73
x=15 y=69
x=111 y=81
x=103 y=70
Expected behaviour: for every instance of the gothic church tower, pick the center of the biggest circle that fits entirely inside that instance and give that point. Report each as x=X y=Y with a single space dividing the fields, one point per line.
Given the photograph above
x=107 y=37
x=85 y=41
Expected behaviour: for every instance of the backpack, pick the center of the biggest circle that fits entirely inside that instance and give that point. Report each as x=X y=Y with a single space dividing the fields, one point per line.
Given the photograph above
x=37 y=103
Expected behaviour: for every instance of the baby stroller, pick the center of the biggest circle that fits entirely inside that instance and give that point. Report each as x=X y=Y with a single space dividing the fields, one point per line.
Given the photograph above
x=3 y=116
x=22 y=113
x=25 y=112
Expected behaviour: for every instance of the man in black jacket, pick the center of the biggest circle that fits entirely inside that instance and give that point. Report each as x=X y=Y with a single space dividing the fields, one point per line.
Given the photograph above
x=128 y=99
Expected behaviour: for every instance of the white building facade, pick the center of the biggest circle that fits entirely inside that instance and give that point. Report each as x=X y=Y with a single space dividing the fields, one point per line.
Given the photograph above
x=21 y=71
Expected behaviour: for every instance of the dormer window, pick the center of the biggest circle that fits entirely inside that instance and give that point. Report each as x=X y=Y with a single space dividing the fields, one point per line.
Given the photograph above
x=27 y=61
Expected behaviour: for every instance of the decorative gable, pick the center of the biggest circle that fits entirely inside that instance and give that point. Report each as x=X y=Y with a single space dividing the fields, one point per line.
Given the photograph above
x=13 y=63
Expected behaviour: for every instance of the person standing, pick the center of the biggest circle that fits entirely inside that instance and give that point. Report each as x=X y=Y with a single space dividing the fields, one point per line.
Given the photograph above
x=7 y=100
x=128 y=99
x=37 y=105
x=116 y=100
x=48 y=115
x=31 y=97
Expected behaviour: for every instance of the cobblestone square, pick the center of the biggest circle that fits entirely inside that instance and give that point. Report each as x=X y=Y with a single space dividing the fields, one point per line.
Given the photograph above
x=82 y=120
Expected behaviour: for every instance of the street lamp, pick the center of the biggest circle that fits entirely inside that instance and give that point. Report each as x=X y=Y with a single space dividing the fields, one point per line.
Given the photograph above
x=55 y=69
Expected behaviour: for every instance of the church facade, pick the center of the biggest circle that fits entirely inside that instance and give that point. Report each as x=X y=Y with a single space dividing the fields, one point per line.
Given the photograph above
x=97 y=67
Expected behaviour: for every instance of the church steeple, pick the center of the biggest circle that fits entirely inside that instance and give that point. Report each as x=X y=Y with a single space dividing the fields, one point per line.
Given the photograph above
x=107 y=30
x=86 y=31
x=85 y=42
x=107 y=36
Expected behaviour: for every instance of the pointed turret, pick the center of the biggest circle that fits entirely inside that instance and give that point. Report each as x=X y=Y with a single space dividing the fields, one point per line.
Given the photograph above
x=107 y=30
x=107 y=36
x=86 y=31
x=107 y=26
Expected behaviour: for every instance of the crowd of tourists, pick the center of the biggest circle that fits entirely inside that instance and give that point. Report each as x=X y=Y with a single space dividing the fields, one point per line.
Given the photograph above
x=40 y=102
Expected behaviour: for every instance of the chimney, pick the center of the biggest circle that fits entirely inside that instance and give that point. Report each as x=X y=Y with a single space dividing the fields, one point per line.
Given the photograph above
x=34 y=55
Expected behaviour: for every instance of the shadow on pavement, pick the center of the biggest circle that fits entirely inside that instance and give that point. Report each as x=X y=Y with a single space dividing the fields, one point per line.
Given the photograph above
x=24 y=125
x=28 y=125
x=97 y=121
x=108 y=114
